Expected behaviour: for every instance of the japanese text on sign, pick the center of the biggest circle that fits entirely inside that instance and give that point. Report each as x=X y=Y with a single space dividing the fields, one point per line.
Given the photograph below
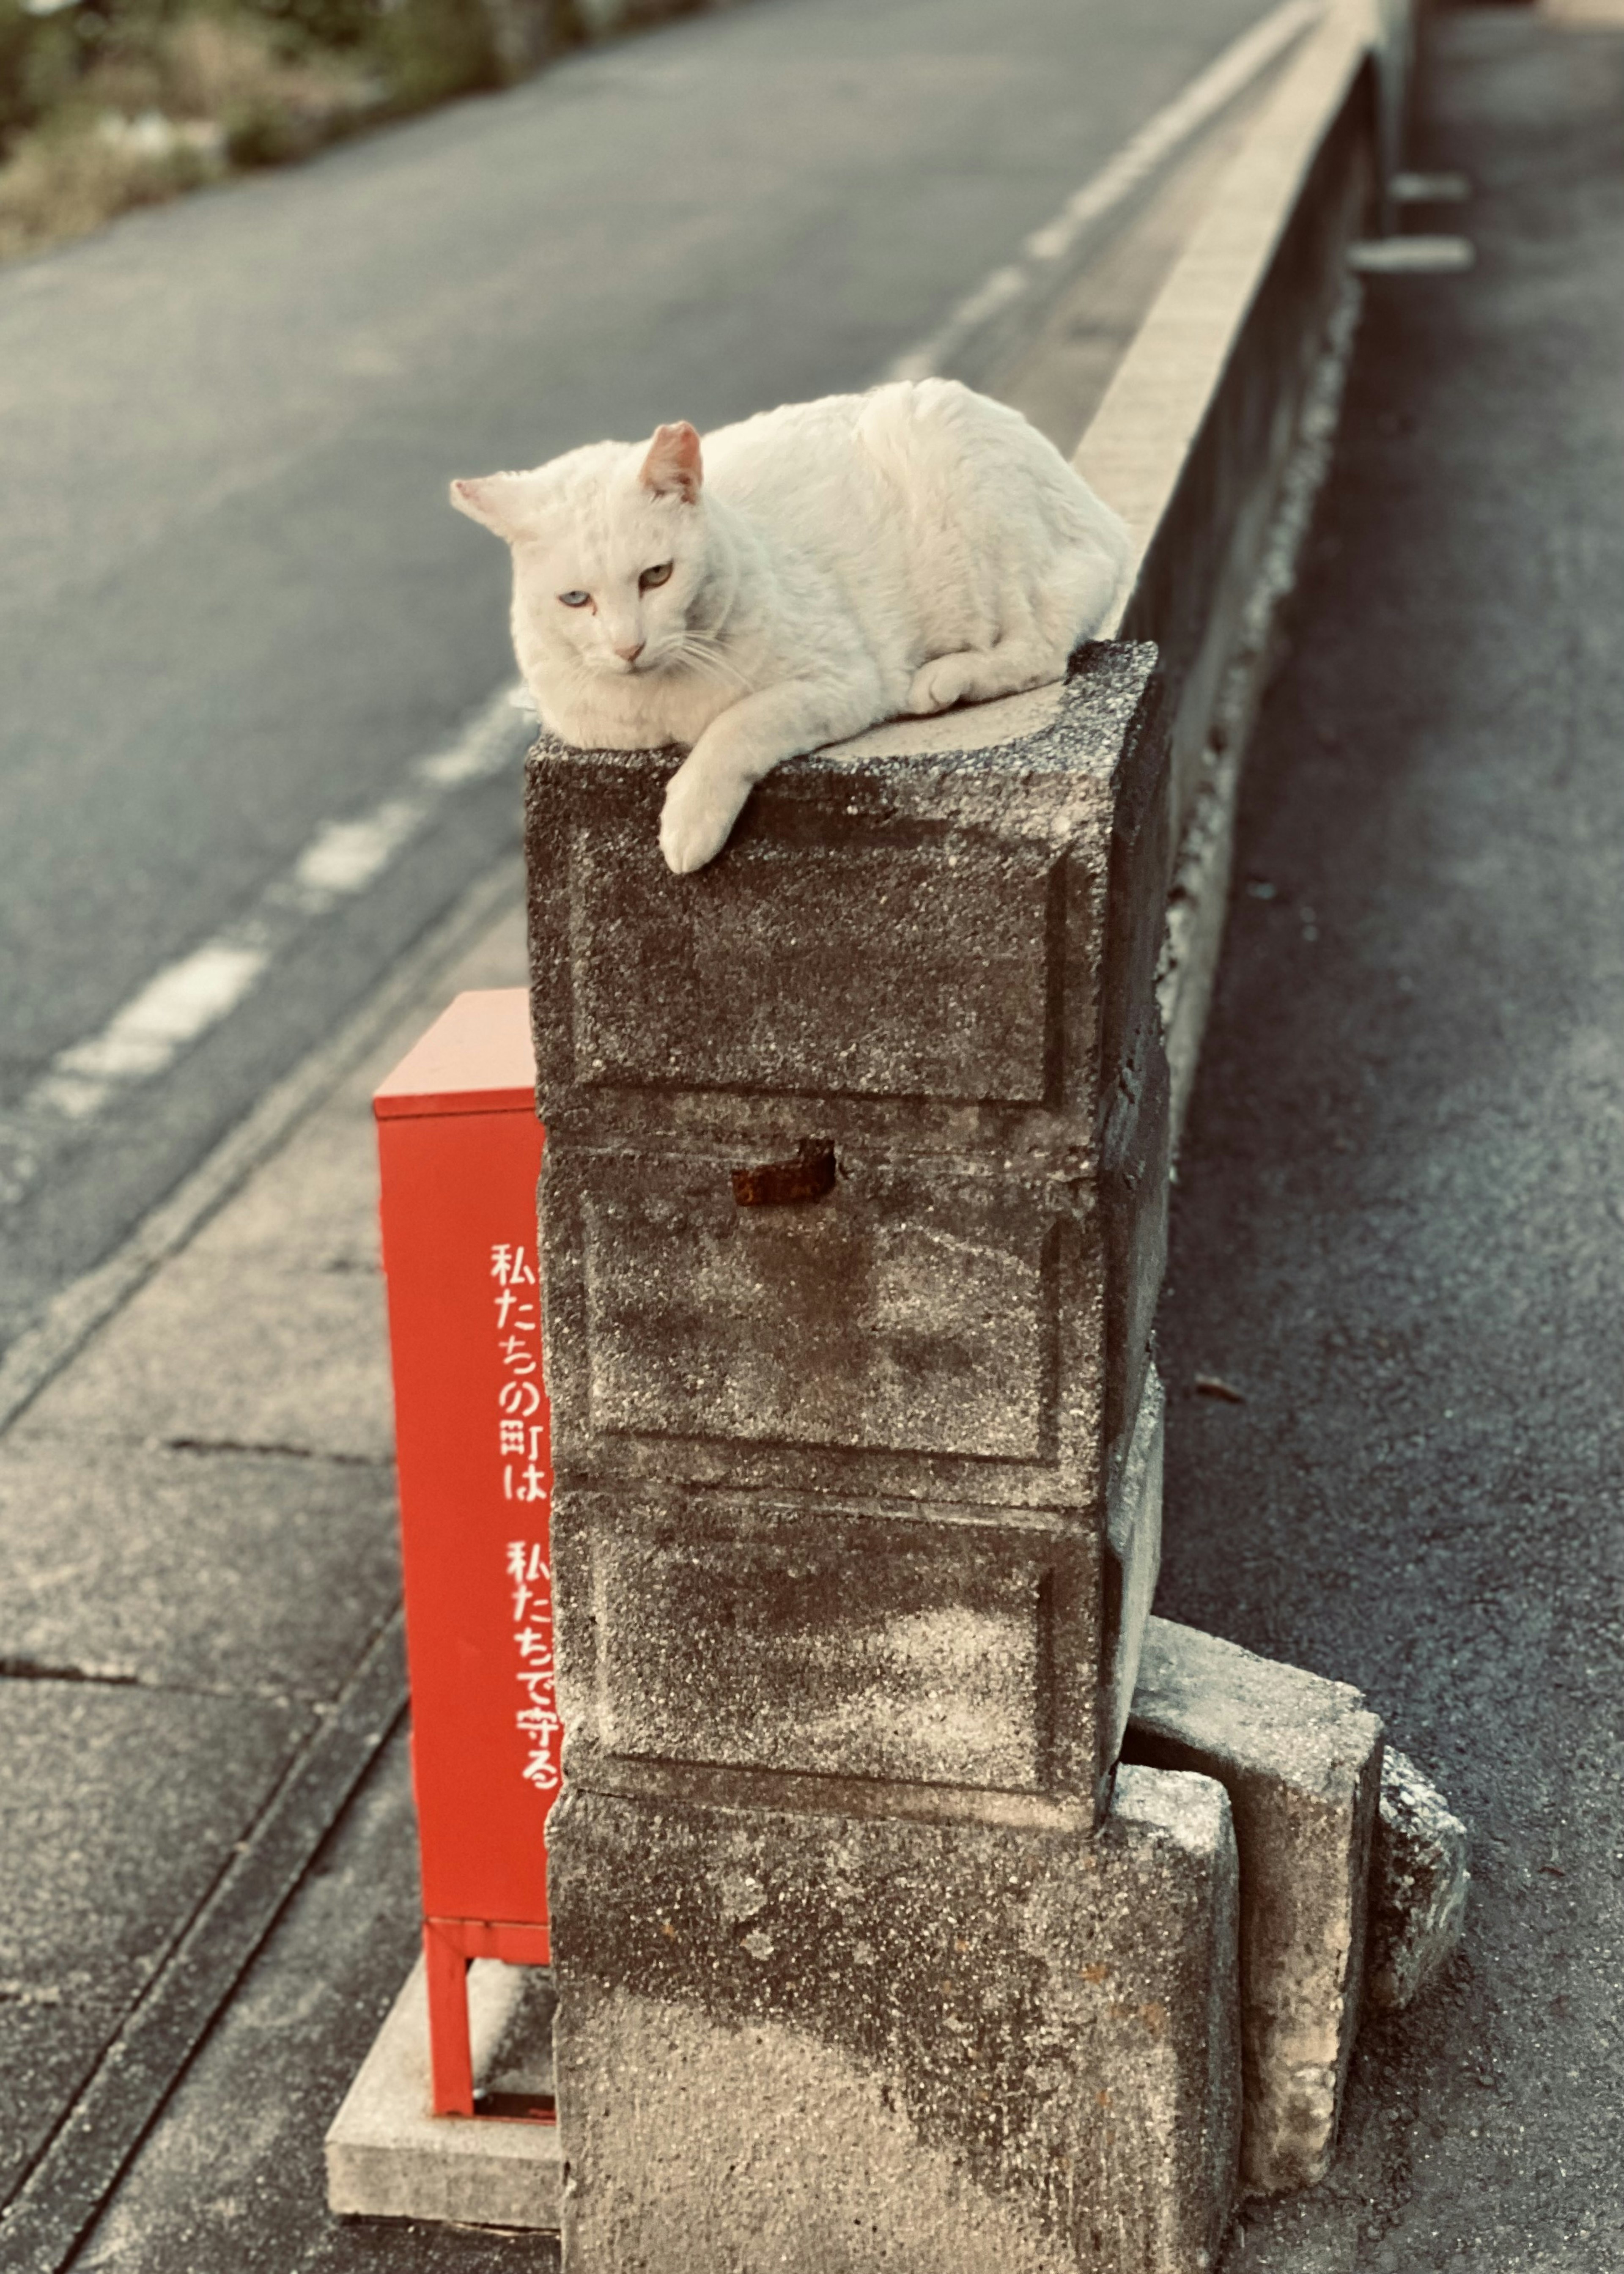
x=521 y=1450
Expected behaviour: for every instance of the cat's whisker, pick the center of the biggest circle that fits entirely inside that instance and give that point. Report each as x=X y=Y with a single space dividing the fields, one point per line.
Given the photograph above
x=706 y=655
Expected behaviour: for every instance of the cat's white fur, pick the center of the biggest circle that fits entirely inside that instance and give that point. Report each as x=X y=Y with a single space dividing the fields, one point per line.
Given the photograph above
x=832 y=564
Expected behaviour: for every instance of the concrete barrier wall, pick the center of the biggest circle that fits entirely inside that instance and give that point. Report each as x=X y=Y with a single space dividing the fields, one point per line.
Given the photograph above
x=1196 y=436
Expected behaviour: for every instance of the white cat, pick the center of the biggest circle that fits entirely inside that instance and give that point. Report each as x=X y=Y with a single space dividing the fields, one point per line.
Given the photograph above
x=831 y=564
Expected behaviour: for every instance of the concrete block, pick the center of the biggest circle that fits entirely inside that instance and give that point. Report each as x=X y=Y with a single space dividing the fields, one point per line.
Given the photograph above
x=923 y=1328
x=1300 y=1758
x=1136 y=1164
x=842 y=2042
x=930 y=950
x=1133 y=1561
x=388 y=2157
x=934 y=928
x=931 y=1645
x=1418 y=1887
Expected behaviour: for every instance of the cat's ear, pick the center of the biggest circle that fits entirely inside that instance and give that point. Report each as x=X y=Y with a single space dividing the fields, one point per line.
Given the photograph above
x=673 y=467
x=496 y=501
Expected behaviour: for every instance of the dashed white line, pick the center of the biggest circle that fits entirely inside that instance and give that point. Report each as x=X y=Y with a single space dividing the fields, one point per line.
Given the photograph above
x=181 y=1003
x=1411 y=256
x=178 y=1006
x=346 y=856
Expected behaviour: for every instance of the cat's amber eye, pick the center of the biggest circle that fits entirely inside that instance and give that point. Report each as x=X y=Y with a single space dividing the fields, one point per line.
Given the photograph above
x=574 y=599
x=650 y=578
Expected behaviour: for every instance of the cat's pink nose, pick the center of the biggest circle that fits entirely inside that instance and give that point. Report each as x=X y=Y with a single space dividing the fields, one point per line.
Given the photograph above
x=631 y=654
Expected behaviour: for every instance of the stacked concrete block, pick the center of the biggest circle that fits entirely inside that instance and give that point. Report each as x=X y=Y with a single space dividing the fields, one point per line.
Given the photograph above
x=821 y=2040
x=1419 y=1882
x=1301 y=1759
x=890 y=1420
x=852 y=1226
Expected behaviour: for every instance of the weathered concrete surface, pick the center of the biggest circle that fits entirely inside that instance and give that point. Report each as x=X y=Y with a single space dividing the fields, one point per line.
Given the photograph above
x=229 y=2178
x=1225 y=357
x=930 y=951
x=169 y=1568
x=914 y=925
x=945 y=1646
x=1300 y=1758
x=120 y=1806
x=837 y=2043
x=1418 y=1887
x=388 y=2157
x=1132 y=1555
x=303 y=1369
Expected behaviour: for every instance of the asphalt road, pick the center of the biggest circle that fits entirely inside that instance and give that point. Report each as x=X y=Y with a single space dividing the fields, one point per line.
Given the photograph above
x=1399 y=1228
x=234 y=607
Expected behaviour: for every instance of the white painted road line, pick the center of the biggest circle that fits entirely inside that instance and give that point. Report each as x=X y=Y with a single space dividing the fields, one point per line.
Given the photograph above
x=1429 y=189
x=177 y=1007
x=171 y=1011
x=1411 y=256
x=1244 y=60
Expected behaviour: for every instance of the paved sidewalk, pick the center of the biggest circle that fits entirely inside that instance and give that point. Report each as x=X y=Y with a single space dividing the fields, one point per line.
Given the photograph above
x=1400 y=1222
x=197 y=1555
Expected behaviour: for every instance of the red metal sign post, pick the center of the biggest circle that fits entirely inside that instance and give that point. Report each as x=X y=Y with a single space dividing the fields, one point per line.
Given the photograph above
x=460 y=1153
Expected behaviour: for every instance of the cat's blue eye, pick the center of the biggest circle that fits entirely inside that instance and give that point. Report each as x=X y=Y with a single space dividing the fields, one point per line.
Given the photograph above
x=650 y=578
x=574 y=599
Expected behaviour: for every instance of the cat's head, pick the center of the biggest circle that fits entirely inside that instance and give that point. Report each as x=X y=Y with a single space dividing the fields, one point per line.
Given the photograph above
x=608 y=550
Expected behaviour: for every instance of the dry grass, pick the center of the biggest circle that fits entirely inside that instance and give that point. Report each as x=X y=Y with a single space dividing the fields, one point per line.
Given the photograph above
x=68 y=180
x=219 y=67
x=211 y=93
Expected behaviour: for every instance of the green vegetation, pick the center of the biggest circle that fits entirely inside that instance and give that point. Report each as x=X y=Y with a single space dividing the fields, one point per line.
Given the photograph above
x=106 y=104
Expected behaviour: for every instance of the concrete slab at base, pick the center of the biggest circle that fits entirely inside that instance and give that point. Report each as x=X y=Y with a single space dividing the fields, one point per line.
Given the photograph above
x=388 y=2157
x=1301 y=1759
x=836 y=2043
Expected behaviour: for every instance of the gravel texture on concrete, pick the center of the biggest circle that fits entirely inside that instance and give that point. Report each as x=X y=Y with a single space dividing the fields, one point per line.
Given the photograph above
x=1398 y=1230
x=926 y=955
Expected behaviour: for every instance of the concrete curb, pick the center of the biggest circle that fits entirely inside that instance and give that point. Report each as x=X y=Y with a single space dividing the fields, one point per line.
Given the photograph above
x=81 y=2161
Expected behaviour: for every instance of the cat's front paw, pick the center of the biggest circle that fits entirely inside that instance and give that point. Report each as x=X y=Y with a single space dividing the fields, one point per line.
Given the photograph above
x=938 y=685
x=699 y=813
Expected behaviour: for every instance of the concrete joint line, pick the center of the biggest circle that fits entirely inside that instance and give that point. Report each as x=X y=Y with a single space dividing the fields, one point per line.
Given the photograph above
x=42 y=2228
